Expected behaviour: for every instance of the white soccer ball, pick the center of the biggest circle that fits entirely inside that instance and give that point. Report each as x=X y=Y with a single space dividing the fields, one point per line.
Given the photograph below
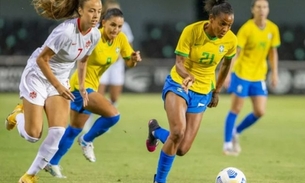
x=231 y=175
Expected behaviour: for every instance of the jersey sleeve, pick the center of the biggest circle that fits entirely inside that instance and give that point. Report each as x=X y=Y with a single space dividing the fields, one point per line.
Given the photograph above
x=276 y=41
x=58 y=39
x=242 y=36
x=232 y=51
x=185 y=42
x=126 y=49
x=96 y=38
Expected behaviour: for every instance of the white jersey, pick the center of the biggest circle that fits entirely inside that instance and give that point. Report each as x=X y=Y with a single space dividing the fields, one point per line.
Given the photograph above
x=69 y=45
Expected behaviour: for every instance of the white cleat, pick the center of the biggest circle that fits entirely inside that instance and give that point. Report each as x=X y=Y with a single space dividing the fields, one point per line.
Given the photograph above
x=235 y=142
x=229 y=152
x=54 y=170
x=87 y=148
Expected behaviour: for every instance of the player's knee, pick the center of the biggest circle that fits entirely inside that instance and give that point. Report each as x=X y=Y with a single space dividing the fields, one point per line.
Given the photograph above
x=113 y=120
x=177 y=134
x=30 y=138
x=259 y=113
x=181 y=152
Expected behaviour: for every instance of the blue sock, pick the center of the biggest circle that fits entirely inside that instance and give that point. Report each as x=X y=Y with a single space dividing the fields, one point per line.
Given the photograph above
x=161 y=134
x=65 y=144
x=164 y=166
x=230 y=121
x=101 y=125
x=248 y=121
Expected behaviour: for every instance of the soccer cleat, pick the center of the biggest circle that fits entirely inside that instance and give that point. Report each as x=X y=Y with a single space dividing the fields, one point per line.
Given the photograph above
x=87 y=148
x=10 y=121
x=152 y=142
x=235 y=142
x=54 y=170
x=229 y=152
x=28 y=179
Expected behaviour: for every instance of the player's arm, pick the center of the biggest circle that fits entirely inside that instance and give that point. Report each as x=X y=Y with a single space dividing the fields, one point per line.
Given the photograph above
x=43 y=63
x=81 y=71
x=133 y=59
x=188 y=78
x=273 y=59
x=223 y=72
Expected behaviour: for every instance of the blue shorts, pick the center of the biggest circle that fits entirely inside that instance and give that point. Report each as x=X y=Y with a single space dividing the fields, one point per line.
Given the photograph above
x=196 y=102
x=77 y=104
x=244 y=88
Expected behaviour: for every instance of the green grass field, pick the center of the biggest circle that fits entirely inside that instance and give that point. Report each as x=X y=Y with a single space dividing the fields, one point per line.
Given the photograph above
x=273 y=150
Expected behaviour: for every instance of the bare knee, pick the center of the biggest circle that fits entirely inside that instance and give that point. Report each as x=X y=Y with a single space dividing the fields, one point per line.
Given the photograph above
x=182 y=151
x=34 y=133
x=259 y=113
x=177 y=135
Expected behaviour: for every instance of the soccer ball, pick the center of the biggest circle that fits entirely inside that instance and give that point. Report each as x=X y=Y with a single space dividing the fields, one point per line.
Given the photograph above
x=230 y=175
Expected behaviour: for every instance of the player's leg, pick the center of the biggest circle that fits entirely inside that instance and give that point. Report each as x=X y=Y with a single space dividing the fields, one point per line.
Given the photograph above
x=239 y=89
x=175 y=107
x=109 y=116
x=78 y=117
x=28 y=117
x=57 y=111
x=196 y=107
x=258 y=94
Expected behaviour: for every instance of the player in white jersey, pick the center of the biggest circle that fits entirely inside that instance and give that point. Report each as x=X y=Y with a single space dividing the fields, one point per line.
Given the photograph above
x=44 y=84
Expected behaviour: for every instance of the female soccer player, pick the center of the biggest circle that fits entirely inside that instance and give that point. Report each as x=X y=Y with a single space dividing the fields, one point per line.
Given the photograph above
x=191 y=88
x=44 y=83
x=257 y=39
x=113 y=43
x=114 y=76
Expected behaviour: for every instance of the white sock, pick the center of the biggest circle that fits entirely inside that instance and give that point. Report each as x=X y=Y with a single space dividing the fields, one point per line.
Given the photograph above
x=227 y=146
x=21 y=130
x=89 y=123
x=47 y=149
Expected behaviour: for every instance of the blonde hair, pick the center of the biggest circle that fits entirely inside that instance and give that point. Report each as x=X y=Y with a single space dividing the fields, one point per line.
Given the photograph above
x=58 y=9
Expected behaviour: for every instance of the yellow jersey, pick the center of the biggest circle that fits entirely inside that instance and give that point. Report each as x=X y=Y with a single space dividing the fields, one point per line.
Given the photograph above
x=203 y=54
x=102 y=57
x=255 y=43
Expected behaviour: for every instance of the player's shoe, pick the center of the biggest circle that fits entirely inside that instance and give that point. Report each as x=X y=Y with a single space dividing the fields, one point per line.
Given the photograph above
x=87 y=148
x=152 y=142
x=229 y=152
x=10 y=121
x=235 y=142
x=54 y=170
x=28 y=179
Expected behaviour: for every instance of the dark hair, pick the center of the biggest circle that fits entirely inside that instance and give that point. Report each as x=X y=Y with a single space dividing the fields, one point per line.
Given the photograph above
x=58 y=9
x=215 y=7
x=253 y=4
x=112 y=12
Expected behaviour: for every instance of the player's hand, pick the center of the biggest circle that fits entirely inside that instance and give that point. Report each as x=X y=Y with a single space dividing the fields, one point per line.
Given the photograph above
x=274 y=80
x=187 y=83
x=136 y=57
x=65 y=92
x=85 y=96
x=214 y=100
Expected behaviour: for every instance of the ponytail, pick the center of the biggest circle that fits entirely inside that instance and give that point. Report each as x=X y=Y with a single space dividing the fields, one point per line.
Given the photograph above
x=215 y=7
x=57 y=9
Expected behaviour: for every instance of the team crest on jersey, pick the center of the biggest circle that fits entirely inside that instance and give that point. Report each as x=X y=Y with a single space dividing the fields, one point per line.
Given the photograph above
x=117 y=50
x=221 y=48
x=88 y=43
x=270 y=36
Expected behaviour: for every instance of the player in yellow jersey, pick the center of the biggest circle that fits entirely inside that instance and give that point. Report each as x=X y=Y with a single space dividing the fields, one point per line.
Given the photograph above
x=113 y=43
x=191 y=87
x=258 y=39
